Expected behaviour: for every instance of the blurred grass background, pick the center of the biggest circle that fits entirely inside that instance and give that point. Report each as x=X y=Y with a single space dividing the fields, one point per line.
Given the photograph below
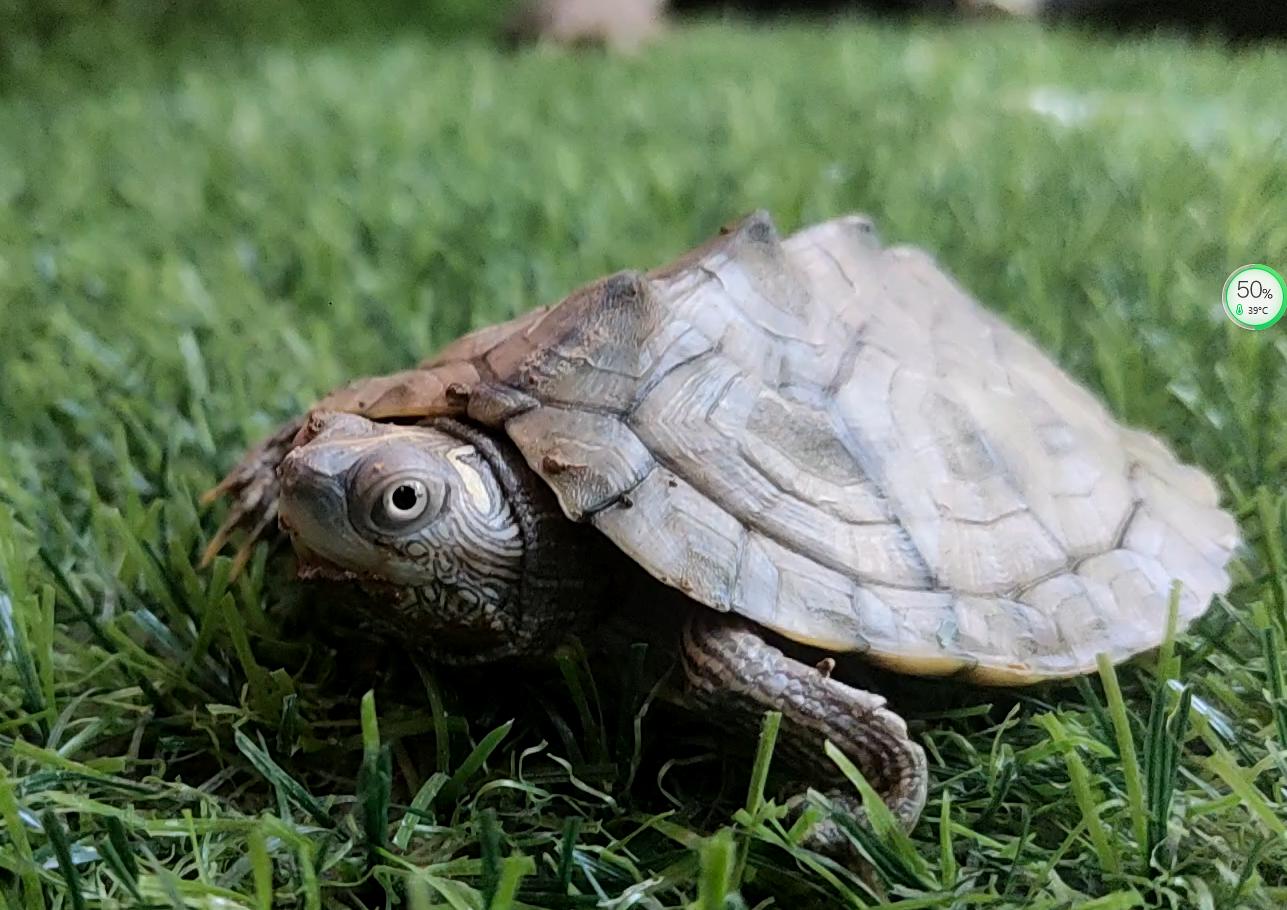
x=211 y=214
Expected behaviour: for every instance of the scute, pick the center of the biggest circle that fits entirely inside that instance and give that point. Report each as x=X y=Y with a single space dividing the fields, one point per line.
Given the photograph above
x=834 y=440
x=683 y=539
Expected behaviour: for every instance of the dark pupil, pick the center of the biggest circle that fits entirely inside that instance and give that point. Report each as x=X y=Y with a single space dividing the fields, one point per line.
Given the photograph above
x=404 y=497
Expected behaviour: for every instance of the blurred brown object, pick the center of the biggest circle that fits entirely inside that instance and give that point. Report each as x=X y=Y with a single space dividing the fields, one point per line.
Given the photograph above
x=1030 y=8
x=619 y=25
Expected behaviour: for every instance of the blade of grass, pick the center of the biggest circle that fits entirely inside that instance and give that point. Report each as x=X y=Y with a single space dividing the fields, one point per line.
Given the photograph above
x=567 y=854
x=308 y=877
x=1164 y=745
x=475 y=760
x=281 y=781
x=28 y=876
x=1272 y=650
x=947 y=853
x=261 y=869
x=513 y=870
x=715 y=881
x=117 y=854
x=375 y=780
x=571 y=663
x=421 y=807
x=1223 y=765
x=1087 y=799
x=442 y=733
x=1125 y=738
x=1168 y=665
x=769 y=727
x=57 y=835
x=886 y=843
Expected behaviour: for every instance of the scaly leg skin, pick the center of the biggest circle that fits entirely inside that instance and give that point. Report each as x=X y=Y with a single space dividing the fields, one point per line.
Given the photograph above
x=731 y=669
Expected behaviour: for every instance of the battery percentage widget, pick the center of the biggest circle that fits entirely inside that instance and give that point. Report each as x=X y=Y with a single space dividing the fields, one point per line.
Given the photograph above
x=1253 y=297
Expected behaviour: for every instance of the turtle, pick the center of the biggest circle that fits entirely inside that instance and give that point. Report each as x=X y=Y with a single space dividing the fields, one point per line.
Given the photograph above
x=817 y=445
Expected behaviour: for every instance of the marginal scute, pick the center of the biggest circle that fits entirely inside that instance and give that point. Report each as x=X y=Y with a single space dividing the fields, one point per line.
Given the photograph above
x=918 y=615
x=1187 y=481
x=1189 y=513
x=475 y=344
x=832 y=439
x=774 y=582
x=1082 y=608
x=1140 y=588
x=411 y=393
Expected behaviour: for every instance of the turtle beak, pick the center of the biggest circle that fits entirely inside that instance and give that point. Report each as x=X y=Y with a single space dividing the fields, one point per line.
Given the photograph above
x=313 y=508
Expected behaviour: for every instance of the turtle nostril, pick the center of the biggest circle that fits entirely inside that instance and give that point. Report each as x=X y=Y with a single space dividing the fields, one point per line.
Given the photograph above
x=288 y=472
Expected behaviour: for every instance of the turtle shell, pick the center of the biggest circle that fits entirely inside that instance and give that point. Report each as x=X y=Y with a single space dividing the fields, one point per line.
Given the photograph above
x=835 y=441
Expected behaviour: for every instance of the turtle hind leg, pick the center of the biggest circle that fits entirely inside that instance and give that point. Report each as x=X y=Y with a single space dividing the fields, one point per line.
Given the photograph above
x=730 y=669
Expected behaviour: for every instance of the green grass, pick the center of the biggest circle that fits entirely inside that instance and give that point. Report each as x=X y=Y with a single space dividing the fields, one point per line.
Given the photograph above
x=204 y=225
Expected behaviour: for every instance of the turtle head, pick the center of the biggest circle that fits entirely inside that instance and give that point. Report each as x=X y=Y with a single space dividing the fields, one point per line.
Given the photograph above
x=417 y=516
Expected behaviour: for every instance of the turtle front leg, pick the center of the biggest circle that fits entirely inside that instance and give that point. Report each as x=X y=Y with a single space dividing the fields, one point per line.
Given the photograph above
x=732 y=670
x=252 y=485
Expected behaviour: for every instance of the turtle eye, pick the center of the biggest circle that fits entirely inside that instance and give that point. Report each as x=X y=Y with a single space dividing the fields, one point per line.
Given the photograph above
x=402 y=501
x=394 y=494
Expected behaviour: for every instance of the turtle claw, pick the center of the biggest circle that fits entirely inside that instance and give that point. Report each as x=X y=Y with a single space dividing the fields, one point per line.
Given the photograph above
x=252 y=484
x=257 y=533
x=219 y=489
x=220 y=537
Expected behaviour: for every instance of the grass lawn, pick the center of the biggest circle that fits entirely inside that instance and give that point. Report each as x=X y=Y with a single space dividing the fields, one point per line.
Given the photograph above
x=204 y=226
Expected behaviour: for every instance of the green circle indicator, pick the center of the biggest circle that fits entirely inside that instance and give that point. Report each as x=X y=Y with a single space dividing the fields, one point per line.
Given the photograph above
x=1253 y=297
